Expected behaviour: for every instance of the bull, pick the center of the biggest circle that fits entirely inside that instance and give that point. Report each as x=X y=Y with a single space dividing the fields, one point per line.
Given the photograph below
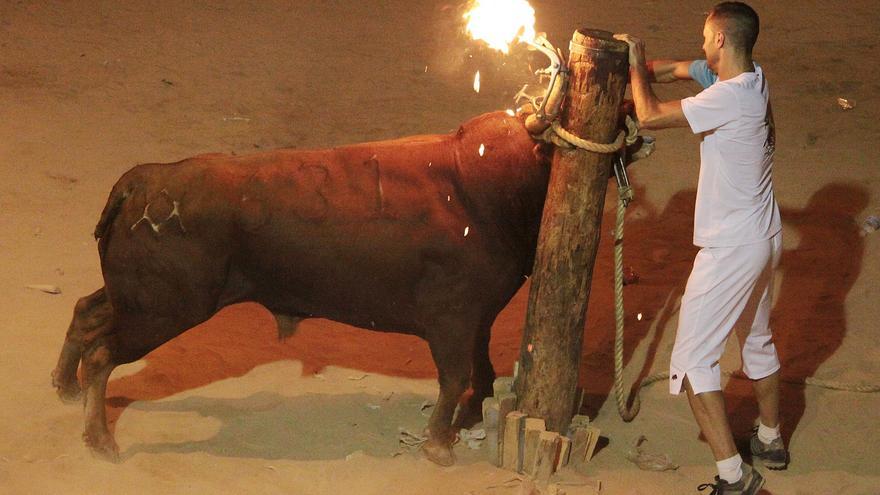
x=426 y=235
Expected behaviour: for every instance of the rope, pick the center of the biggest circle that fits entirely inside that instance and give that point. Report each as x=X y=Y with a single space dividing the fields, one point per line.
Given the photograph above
x=563 y=138
x=627 y=414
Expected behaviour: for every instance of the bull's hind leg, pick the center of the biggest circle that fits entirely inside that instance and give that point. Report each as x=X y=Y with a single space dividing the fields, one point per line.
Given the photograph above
x=482 y=380
x=97 y=365
x=452 y=352
x=92 y=317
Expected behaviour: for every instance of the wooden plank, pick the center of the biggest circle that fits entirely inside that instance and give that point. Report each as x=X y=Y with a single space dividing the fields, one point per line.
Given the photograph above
x=502 y=384
x=580 y=441
x=546 y=456
x=490 y=424
x=595 y=433
x=578 y=421
x=533 y=429
x=511 y=446
x=564 y=451
x=583 y=446
x=506 y=404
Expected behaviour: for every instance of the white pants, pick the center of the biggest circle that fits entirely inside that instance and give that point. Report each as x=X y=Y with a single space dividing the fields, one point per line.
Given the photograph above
x=730 y=288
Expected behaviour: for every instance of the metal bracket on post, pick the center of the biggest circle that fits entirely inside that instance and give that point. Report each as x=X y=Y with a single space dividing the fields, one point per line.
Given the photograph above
x=624 y=190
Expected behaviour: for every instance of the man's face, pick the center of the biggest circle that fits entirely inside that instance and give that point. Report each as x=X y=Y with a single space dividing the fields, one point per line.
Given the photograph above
x=710 y=44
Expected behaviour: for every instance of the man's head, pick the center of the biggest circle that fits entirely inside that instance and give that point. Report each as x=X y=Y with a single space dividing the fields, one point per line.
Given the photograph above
x=731 y=26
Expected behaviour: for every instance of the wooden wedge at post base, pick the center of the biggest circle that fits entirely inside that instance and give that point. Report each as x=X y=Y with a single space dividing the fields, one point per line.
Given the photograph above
x=490 y=424
x=583 y=445
x=512 y=443
x=506 y=404
x=578 y=421
x=501 y=385
x=546 y=456
x=564 y=452
x=533 y=428
x=579 y=442
x=594 y=440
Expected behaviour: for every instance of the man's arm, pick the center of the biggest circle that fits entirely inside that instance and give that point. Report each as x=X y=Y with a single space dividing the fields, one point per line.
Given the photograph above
x=652 y=113
x=666 y=71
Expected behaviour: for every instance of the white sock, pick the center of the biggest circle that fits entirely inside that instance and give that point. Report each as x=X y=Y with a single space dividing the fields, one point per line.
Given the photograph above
x=730 y=469
x=767 y=434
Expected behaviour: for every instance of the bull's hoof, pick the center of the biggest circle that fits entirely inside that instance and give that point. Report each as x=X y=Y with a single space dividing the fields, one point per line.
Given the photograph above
x=103 y=448
x=439 y=453
x=68 y=391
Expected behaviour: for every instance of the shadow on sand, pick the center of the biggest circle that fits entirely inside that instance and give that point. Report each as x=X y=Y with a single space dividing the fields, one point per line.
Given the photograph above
x=306 y=427
x=808 y=320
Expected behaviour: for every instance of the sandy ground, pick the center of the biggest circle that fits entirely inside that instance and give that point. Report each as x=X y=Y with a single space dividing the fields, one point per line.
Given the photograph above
x=88 y=89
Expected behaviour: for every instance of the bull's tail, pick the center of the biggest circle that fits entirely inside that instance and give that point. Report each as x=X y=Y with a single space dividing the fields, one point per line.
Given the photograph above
x=114 y=204
x=122 y=190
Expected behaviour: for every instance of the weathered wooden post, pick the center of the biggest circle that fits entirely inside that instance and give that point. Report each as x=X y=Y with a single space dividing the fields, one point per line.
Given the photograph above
x=551 y=346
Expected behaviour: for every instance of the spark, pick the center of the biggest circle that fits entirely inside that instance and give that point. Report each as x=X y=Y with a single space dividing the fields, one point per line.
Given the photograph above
x=477 y=82
x=482 y=149
x=510 y=112
x=466 y=229
x=639 y=317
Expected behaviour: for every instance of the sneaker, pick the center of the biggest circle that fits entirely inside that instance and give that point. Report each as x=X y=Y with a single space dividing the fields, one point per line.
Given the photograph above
x=750 y=483
x=772 y=456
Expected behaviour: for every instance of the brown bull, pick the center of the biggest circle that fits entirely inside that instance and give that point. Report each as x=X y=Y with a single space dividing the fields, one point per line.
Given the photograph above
x=427 y=235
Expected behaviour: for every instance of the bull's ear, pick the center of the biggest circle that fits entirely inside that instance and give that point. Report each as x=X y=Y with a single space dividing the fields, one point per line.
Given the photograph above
x=627 y=107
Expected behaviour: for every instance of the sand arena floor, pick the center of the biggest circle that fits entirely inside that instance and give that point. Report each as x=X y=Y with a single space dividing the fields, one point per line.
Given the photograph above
x=88 y=89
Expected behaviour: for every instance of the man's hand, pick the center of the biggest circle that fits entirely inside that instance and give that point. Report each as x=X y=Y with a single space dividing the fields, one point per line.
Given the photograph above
x=652 y=113
x=636 y=49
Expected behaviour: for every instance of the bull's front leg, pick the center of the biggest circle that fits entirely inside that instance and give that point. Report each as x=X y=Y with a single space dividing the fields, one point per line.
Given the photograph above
x=452 y=349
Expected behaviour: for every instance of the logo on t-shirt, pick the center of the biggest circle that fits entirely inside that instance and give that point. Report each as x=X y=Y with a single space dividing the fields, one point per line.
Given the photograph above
x=770 y=142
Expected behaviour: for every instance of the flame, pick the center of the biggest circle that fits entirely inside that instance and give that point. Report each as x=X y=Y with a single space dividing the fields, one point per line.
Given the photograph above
x=477 y=82
x=501 y=22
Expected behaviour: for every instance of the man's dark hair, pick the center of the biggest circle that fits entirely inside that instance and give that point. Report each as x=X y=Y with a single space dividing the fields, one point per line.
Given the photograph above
x=739 y=23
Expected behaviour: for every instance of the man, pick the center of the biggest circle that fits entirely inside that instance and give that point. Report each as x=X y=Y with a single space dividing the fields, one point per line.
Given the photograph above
x=737 y=226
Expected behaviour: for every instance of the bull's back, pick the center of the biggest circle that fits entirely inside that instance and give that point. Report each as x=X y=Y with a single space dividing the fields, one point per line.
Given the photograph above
x=359 y=234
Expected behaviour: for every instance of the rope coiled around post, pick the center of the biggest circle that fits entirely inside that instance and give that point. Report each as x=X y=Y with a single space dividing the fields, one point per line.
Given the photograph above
x=563 y=138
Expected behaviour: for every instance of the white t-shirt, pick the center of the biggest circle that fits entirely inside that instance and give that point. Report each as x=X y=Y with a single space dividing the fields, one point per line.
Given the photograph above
x=735 y=202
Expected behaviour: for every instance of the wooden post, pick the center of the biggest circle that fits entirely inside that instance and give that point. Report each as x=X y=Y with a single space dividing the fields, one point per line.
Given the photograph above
x=569 y=236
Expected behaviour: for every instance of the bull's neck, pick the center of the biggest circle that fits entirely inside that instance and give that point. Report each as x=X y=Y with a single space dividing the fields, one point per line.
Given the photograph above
x=504 y=179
